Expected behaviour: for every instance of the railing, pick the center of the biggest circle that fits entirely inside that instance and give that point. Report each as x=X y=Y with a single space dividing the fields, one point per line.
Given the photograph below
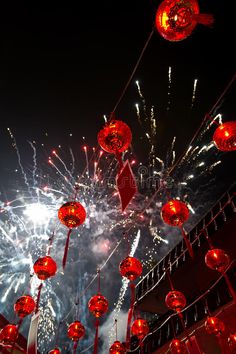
x=223 y=210
x=170 y=325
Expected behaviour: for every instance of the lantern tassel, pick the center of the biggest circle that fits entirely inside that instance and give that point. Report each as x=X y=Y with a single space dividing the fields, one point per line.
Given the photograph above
x=95 y=347
x=130 y=315
x=75 y=347
x=187 y=243
x=204 y=19
x=230 y=287
x=66 y=248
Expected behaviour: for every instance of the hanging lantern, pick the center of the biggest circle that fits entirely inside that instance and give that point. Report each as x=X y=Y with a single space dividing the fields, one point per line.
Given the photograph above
x=45 y=267
x=9 y=334
x=214 y=325
x=175 y=300
x=177 y=347
x=225 y=136
x=217 y=259
x=71 y=214
x=98 y=305
x=55 y=351
x=232 y=341
x=115 y=137
x=117 y=348
x=140 y=328
x=176 y=19
x=76 y=331
x=130 y=268
x=24 y=306
x=175 y=213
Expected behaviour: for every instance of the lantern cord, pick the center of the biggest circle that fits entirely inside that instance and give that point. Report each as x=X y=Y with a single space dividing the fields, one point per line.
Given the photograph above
x=75 y=347
x=187 y=242
x=130 y=314
x=133 y=72
x=38 y=297
x=66 y=248
x=95 y=348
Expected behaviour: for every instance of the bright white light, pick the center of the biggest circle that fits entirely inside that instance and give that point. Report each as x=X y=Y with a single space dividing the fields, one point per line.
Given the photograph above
x=38 y=213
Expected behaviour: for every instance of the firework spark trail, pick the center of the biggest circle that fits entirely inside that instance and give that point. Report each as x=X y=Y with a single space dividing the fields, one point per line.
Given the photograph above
x=73 y=161
x=169 y=89
x=143 y=101
x=34 y=162
x=19 y=159
x=138 y=113
x=194 y=92
x=64 y=165
x=61 y=174
x=87 y=161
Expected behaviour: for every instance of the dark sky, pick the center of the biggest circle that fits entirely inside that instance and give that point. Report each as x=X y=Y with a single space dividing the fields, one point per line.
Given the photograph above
x=64 y=64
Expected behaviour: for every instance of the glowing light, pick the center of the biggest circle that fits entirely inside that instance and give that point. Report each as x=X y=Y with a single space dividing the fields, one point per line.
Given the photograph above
x=38 y=213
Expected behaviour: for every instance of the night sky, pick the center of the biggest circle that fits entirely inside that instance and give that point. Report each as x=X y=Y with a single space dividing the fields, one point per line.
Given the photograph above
x=64 y=65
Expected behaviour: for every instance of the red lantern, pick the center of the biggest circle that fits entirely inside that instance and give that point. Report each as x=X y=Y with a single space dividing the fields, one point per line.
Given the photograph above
x=9 y=334
x=55 y=351
x=117 y=348
x=115 y=137
x=140 y=328
x=98 y=305
x=176 y=19
x=177 y=347
x=225 y=136
x=175 y=213
x=232 y=341
x=72 y=214
x=175 y=300
x=217 y=259
x=45 y=267
x=76 y=331
x=214 y=326
x=24 y=306
x=131 y=268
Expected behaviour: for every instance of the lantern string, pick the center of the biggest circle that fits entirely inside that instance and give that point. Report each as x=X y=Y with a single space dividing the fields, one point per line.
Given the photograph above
x=75 y=347
x=133 y=72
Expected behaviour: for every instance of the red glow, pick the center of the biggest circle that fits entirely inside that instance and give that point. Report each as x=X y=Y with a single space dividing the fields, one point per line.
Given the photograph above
x=45 y=267
x=214 y=325
x=130 y=268
x=98 y=305
x=140 y=328
x=72 y=214
x=175 y=300
x=217 y=259
x=115 y=137
x=24 y=306
x=225 y=136
x=175 y=213
x=76 y=331
x=117 y=348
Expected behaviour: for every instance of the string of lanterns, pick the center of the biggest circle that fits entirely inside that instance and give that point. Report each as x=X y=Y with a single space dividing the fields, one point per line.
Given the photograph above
x=175 y=20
